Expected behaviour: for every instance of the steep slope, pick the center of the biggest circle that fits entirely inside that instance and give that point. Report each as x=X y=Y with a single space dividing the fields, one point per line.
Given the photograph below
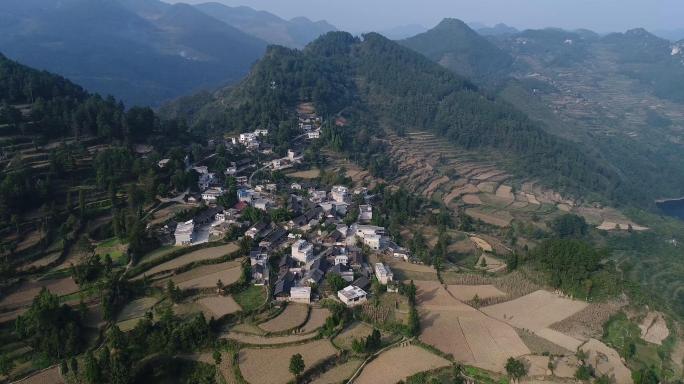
x=457 y=47
x=294 y=33
x=142 y=51
x=377 y=84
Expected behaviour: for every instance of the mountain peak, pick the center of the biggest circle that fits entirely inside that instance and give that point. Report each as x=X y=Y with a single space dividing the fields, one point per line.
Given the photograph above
x=452 y=23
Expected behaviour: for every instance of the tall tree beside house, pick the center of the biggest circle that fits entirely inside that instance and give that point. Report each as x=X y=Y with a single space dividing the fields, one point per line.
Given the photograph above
x=515 y=369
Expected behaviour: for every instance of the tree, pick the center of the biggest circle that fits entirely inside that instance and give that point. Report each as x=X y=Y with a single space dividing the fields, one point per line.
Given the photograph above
x=569 y=226
x=515 y=369
x=296 y=365
x=217 y=357
x=6 y=365
x=335 y=282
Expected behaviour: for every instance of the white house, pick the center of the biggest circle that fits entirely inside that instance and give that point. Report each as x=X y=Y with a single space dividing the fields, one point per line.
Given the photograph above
x=383 y=273
x=246 y=138
x=341 y=259
x=201 y=169
x=262 y=204
x=302 y=251
x=365 y=213
x=232 y=170
x=163 y=163
x=300 y=294
x=261 y=132
x=184 y=233
x=371 y=236
x=339 y=193
x=314 y=134
x=212 y=194
x=352 y=295
x=317 y=196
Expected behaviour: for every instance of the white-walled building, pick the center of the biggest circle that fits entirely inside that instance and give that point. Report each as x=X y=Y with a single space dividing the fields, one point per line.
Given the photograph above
x=212 y=194
x=339 y=193
x=383 y=273
x=300 y=294
x=184 y=233
x=365 y=213
x=352 y=295
x=302 y=251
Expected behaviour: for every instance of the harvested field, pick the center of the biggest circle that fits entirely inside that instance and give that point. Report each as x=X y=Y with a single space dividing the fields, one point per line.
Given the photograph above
x=467 y=292
x=464 y=332
x=472 y=200
x=541 y=346
x=536 y=312
x=457 y=192
x=47 y=376
x=292 y=317
x=492 y=264
x=355 y=331
x=483 y=245
x=157 y=253
x=309 y=174
x=29 y=241
x=27 y=291
x=654 y=328
x=624 y=226
x=537 y=365
x=399 y=363
x=220 y=305
x=226 y=368
x=271 y=365
x=168 y=213
x=499 y=218
x=532 y=199
x=409 y=271
x=588 y=323
x=137 y=308
x=202 y=254
x=487 y=187
x=206 y=276
x=317 y=318
x=339 y=373
x=505 y=192
x=264 y=340
x=515 y=284
x=606 y=361
x=43 y=261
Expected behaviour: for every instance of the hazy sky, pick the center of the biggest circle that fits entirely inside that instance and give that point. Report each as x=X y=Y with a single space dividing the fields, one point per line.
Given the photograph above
x=364 y=15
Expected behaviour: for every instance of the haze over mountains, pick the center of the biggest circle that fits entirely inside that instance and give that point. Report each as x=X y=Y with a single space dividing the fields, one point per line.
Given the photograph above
x=144 y=51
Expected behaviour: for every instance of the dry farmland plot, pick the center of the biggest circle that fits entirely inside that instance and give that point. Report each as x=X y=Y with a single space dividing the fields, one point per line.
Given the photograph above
x=206 y=276
x=293 y=316
x=317 y=318
x=309 y=174
x=264 y=340
x=357 y=330
x=466 y=333
x=48 y=376
x=483 y=245
x=271 y=365
x=43 y=261
x=588 y=322
x=498 y=218
x=399 y=363
x=467 y=292
x=472 y=200
x=220 y=305
x=536 y=312
x=201 y=254
x=25 y=293
x=137 y=308
x=338 y=373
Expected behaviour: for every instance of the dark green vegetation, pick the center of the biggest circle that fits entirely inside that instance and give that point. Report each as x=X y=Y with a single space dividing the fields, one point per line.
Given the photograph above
x=292 y=33
x=164 y=51
x=609 y=77
x=460 y=49
x=373 y=83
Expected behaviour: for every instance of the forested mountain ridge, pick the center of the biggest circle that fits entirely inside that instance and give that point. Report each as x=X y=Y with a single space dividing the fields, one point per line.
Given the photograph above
x=143 y=51
x=376 y=83
x=616 y=96
x=457 y=47
x=294 y=33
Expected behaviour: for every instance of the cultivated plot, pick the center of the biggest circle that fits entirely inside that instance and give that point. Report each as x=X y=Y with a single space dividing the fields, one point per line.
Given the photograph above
x=201 y=254
x=399 y=363
x=293 y=316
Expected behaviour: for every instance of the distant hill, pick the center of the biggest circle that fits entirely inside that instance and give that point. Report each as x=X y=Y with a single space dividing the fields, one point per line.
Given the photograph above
x=403 y=31
x=376 y=83
x=295 y=33
x=497 y=30
x=454 y=45
x=142 y=51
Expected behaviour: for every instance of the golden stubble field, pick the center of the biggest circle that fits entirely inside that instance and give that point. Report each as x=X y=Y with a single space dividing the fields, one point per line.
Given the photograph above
x=467 y=334
x=399 y=363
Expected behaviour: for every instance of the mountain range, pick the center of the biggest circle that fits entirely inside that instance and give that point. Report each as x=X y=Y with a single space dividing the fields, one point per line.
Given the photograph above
x=143 y=51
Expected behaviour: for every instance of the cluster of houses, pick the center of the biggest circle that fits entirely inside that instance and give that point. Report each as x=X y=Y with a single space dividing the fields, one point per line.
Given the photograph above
x=310 y=123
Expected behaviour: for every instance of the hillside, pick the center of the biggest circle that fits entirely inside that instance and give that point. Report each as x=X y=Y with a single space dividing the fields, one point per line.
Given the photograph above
x=376 y=84
x=458 y=48
x=616 y=96
x=295 y=33
x=144 y=52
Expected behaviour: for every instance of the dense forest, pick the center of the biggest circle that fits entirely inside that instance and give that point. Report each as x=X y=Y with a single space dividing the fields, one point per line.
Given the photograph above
x=372 y=83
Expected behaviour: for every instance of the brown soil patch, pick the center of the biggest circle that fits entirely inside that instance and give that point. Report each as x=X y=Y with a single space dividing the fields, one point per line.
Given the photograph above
x=355 y=331
x=493 y=264
x=483 y=245
x=48 y=376
x=487 y=187
x=292 y=317
x=466 y=333
x=308 y=174
x=136 y=308
x=271 y=365
x=654 y=328
x=202 y=254
x=220 y=306
x=339 y=373
x=207 y=276
x=588 y=322
x=264 y=340
x=317 y=318
x=499 y=219
x=505 y=192
x=536 y=312
x=467 y=292
x=606 y=361
x=25 y=293
x=399 y=363
x=472 y=199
